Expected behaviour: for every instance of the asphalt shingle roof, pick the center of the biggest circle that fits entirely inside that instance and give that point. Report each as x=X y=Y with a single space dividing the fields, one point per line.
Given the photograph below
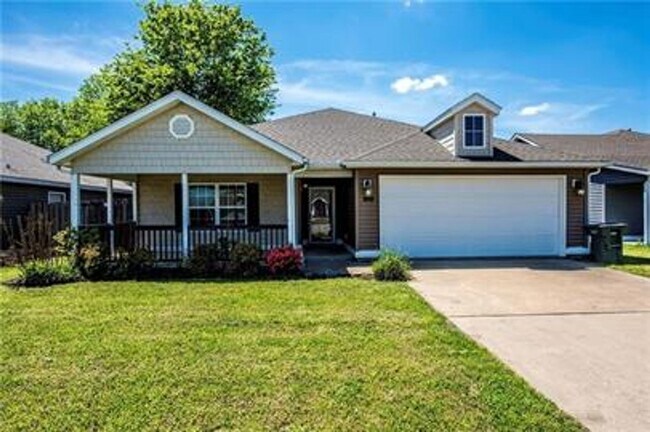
x=331 y=136
x=25 y=161
x=623 y=147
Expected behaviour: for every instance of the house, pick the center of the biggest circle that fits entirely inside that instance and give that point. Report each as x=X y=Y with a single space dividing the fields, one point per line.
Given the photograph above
x=618 y=192
x=445 y=189
x=26 y=178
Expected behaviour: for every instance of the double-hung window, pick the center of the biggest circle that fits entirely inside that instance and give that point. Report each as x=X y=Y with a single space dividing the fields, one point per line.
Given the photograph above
x=218 y=204
x=474 y=130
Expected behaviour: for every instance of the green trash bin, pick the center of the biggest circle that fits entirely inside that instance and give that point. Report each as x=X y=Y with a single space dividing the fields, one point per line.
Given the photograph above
x=607 y=242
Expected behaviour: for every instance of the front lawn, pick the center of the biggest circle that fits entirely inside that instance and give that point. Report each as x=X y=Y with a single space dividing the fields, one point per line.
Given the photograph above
x=636 y=259
x=341 y=354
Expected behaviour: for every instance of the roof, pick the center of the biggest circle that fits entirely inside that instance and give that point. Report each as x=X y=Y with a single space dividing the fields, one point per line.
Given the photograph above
x=329 y=136
x=474 y=98
x=172 y=99
x=23 y=162
x=622 y=147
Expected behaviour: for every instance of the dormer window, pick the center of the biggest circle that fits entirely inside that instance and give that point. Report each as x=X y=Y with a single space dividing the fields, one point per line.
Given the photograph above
x=474 y=130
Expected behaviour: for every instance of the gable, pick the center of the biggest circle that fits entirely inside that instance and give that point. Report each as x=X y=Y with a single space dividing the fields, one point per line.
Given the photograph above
x=150 y=148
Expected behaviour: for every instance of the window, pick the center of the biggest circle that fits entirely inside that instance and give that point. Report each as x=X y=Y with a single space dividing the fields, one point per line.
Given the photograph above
x=474 y=130
x=218 y=204
x=55 y=197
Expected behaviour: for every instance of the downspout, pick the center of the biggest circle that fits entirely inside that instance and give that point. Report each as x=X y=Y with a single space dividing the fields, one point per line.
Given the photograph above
x=291 y=192
x=646 y=211
x=594 y=173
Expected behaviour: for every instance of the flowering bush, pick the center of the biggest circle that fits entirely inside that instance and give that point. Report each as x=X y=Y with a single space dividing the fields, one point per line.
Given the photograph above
x=284 y=261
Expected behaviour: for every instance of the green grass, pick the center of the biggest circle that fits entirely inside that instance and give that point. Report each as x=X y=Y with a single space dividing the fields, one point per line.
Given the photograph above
x=636 y=259
x=341 y=354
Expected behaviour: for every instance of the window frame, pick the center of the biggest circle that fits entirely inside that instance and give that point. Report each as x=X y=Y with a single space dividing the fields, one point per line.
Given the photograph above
x=464 y=131
x=217 y=205
x=50 y=194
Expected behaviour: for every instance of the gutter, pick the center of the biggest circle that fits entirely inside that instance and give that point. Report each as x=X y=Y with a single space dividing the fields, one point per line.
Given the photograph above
x=508 y=165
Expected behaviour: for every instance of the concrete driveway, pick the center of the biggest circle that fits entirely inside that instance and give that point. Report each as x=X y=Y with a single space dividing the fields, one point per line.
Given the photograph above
x=578 y=333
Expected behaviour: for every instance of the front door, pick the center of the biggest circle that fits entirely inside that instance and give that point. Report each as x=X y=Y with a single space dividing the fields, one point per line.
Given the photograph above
x=321 y=215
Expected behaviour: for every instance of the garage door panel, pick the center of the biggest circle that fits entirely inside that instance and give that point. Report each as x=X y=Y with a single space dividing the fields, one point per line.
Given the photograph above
x=431 y=216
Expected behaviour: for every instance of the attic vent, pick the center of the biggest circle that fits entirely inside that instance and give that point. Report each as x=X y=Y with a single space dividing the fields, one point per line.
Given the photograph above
x=181 y=126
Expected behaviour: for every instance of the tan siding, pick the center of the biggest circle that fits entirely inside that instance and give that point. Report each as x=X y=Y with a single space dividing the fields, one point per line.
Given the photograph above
x=368 y=212
x=156 y=196
x=150 y=149
x=445 y=134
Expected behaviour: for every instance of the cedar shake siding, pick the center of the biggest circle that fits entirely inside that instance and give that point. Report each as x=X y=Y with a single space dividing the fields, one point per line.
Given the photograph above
x=150 y=148
x=157 y=198
x=367 y=216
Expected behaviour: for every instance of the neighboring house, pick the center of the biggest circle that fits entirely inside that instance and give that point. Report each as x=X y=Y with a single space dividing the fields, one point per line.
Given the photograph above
x=619 y=192
x=27 y=178
x=446 y=189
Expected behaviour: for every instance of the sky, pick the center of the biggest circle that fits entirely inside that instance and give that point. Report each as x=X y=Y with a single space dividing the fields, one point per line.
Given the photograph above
x=553 y=67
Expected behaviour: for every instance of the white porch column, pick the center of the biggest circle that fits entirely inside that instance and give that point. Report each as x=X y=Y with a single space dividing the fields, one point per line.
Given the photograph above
x=134 y=200
x=646 y=211
x=185 y=192
x=110 y=217
x=291 y=208
x=75 y=201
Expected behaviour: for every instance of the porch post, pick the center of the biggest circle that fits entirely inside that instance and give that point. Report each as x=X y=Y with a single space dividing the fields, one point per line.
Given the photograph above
x=185 y=192
x=110 y=218
x=134 y=201
x=291 y=208
x=75 y=199
x=646 y=211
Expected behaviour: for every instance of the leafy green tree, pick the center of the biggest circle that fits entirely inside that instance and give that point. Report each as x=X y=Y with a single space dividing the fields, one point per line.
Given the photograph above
x=209 y=51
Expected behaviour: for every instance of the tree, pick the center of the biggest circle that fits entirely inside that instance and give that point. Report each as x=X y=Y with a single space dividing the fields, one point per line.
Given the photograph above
x=209 y=51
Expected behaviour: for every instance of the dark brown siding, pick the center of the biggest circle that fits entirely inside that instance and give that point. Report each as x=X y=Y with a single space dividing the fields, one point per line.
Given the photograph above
x=368 y=211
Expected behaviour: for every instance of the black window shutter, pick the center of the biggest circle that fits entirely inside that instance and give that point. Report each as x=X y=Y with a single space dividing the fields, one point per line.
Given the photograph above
x=253 y=203
x=178 y=205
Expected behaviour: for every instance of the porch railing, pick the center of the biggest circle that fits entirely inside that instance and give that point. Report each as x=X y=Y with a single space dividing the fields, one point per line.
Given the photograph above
x=165 y=242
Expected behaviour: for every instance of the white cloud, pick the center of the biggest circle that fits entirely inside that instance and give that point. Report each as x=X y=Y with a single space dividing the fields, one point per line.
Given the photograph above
x=533 y=110
x=407 y=84
x=62 y=55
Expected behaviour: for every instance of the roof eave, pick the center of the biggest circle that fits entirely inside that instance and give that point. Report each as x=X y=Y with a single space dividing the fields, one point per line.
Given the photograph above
x=440 y=164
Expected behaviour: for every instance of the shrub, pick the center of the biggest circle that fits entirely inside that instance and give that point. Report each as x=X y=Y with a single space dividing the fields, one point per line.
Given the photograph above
x=93 y=262
x=284 y=261
x=210 y=259
x=131 y=264
x=46 y=272
x=391 y=266
x=245 y=260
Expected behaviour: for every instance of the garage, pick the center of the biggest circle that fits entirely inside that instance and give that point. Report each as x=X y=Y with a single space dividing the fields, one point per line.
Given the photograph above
x=473 y=216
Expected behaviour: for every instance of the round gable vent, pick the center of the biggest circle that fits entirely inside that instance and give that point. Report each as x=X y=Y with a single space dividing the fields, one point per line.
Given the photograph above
x=181 y=126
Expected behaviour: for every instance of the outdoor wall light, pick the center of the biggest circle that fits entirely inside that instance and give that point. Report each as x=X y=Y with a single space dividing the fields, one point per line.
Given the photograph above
x=367 y=189
x=578 y=186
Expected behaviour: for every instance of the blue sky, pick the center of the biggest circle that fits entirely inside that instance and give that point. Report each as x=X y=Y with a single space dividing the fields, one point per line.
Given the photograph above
x=554 y=67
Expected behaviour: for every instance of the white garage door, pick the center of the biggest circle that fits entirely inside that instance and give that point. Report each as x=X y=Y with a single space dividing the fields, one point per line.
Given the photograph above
x=473 y=216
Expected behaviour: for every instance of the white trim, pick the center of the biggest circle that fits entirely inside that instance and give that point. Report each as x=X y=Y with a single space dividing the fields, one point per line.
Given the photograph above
x=50 y=194
x=366 y=254
x=339 y=173
x=473 y=164
x=110 y=218
x=52 y=183
x=177 y=117
x=484 y=117
x=577 y=250
x=134 y=200
x=185 y=211
x=562 y=228
x=291 y=208
x=630 y=170
x=75 y=200
x=63 y=156
x=524 y=140
x=455 y=109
